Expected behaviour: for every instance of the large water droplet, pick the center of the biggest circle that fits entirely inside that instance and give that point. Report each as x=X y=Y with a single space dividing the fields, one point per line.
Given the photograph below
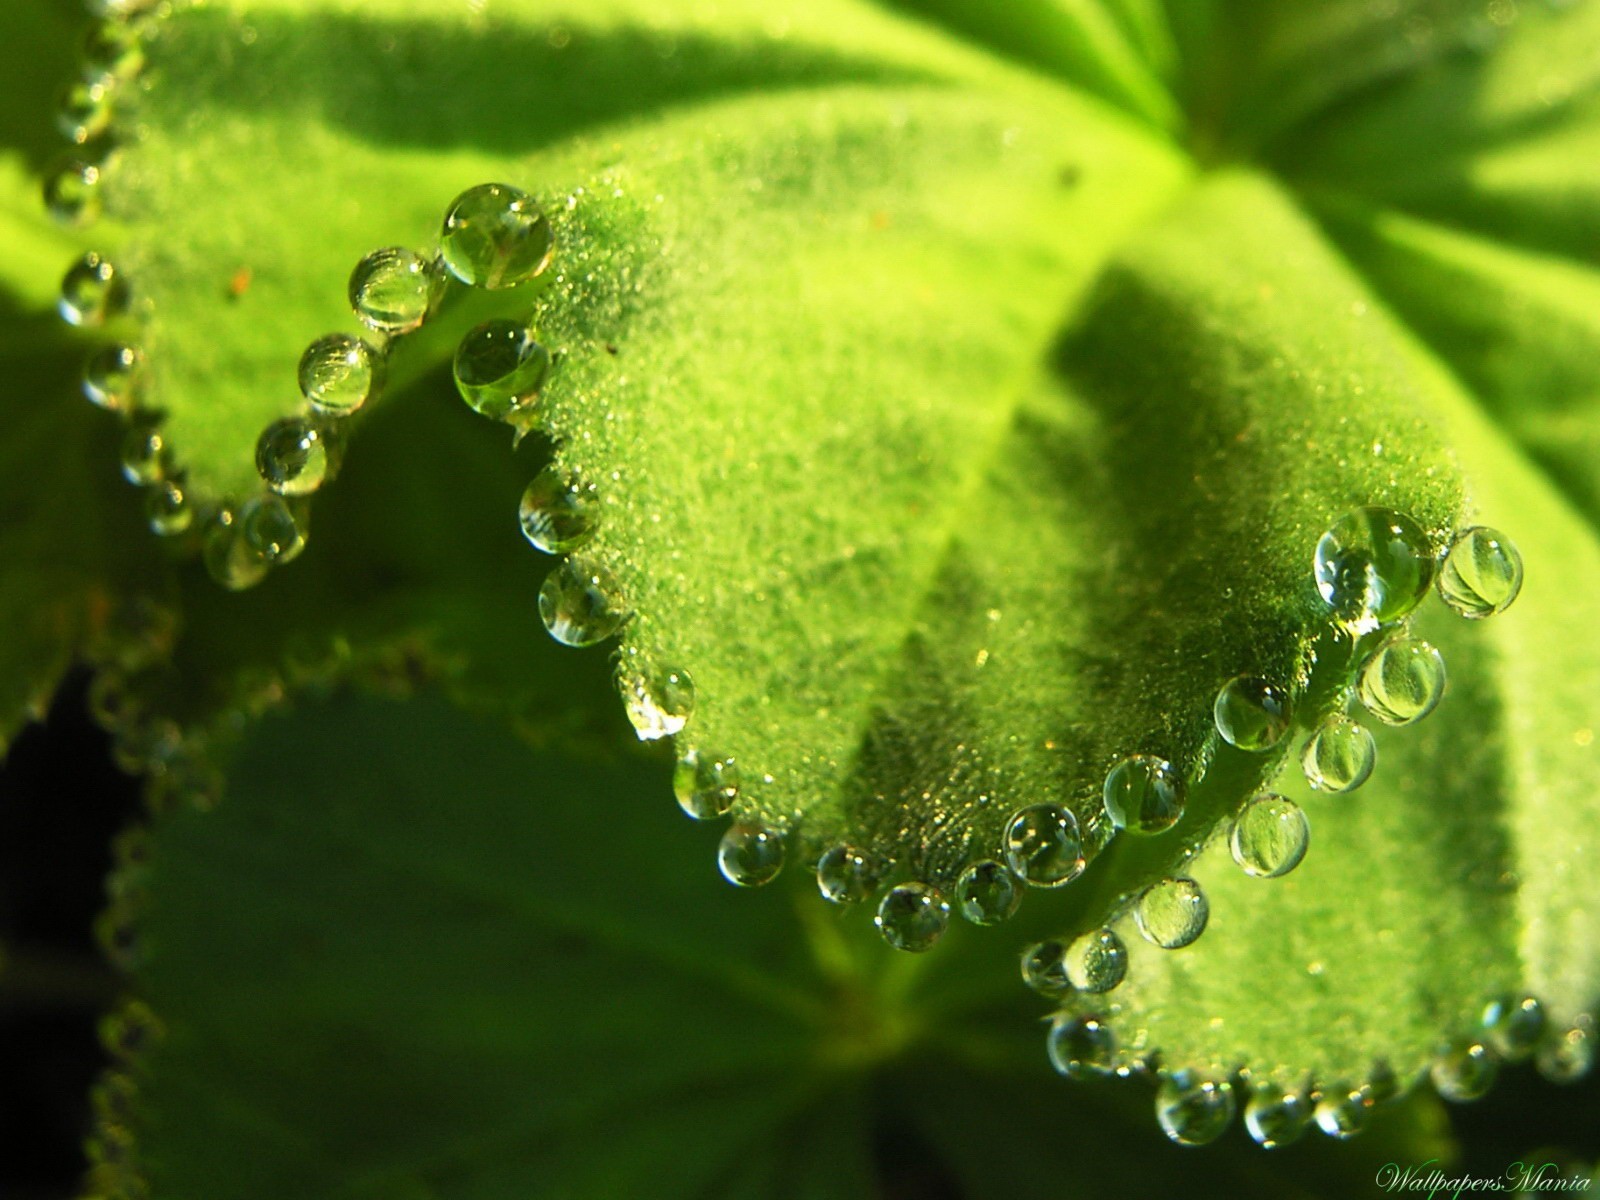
x=112 y=49
x=500 y=368
x=84 y=110
x=706 y=785
x=1464 y=1071
x=109 y=376
x=581 y=604
x=1251 y=713
x=1274 y=1117
x=659 y=701
x=1097 y=961
x=987 y=893
x=1482 y=574
x=229 y=560
x=1043 y=846
x=1269 y=836
x=92 y=291
x=1172 y=913
x=1568 y=1056
x=72 y=193
x=167 y=508
x=393 y=290
x=1512 y=1026
x=845 y=875
x=1144 y=794
x=338 y=374
x=292 y=457
x=146 y=457
x=1403 y=681
x=559 y=512
x=494 y=236
x=1193 y=1110
x=1338 y=756
x=270 y=528
x=1044 y=968
x=1372 y=567
x=912 y=916
x=1082 y=1047
x=1344 y=1111
x=750 y=855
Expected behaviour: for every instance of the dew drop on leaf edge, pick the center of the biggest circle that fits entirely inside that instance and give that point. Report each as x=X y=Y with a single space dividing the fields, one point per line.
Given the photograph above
x=987 y=893
x=1275 y=1118
x=559 y=511
x=1251 y=714
x=92 y=291
x=659 y=701
x=228 y=559
x=750 y=855
x=1402 y=681
x=581 y=604
x=338 y=374
x=1144 y=794
x=1269 y=836
x=1464 y=1070
x=494 y=237
x=1044 y=967
x=1372 y=566
x=1172 y=913
x=1482 y=573
x=1343 y=1112
x=109 y=376
x=499 y=368
x=1193 y=1110
x=270 y=528
x=1339 y=756
x=393 y=290
x=1043 y=846
x=1097 y=961
x=167 y=508
x=705 y=784
x=72 y=196
x=145 y=458
x=912 y=917
x=292 y=457
x=846 y=875
x=1081 y=1047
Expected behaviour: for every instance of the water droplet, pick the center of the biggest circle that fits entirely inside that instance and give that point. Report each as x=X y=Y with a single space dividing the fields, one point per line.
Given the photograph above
x=92 y=291
x=1512 y=1027
x=72 y=193
x=1044 y=968
x=1402 y=681
x=1172 y=913
x=393 y=290
x=987 y=892
x=1383 y=1085
x=109 y=376
x=146 y=458
x=84 y=110
x=113 y=49
x=500 y=368
x=270 y=529
x=559 y=511
x=581 y=604
x=1567 y=1057
x=1344 y=1112
x=1372 y=567
x=1082 y=1047
x=495 y=237
x=120 y=9
x=292 y=457
x=1144 y=794
x=1192 y=1110
x=1275 y=1118
x=338 y=374
x=912 y=916
x=659 y=702
x=845 y=875
x=706 y=785
x=1464 y=1071
x=1482 y=573
x=1251 y=713
x=1097 y=962
x=1043 y=846
x=228 y=558
x=750 y=855
x=1269 y=836
x=167 y=508
x=1338 y=756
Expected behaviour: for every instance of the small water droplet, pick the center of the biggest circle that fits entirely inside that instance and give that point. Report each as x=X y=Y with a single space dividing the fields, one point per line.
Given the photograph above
x=84 y=111
x=987 y=892
x=113 y=49
x=92 y=291
x=912 y=916
x=1512 y=1026
x=1383 y=1085
x=338 y=374
x=72 y=193
x=659 y=701
x=706 y=785
x=146 y=458
x=581 y=604
x=1251 y=713
x=229 y=560
x=1269 y=836
x=750 y=855
x=1144 y=794
x=559 y=512
x=1193 y=1110
x=845 y=875
x=500 y=368
x=109 y=376
x=1344 y=1112
x=1082 y=1047
x=1172 y=913
x=1464 y=1071
x=1403 y=681
x=270 y=528
x=495 y=237
x=1568 y=1056
x=1044 y=968
x=1372 y=567
x=1482 y=573
x=1339 y=756
x=1274 y=1117
x=1097 y=961
x=167 y=508
x=1043 y=846
x=393 y=290
x=292 y=457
